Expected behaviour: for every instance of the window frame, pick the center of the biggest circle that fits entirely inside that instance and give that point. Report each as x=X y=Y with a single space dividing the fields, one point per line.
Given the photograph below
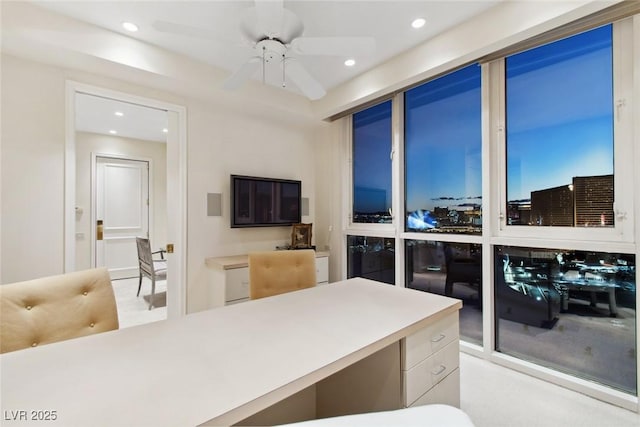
x=621 y=235
x=370 y=229
x=621 y=238
x=402 y=226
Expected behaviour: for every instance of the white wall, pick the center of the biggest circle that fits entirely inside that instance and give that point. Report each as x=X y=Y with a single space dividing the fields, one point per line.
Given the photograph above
x=330 y=193
x=32 y=170
x=233 y=144
x=91 y=143
x=223 y=138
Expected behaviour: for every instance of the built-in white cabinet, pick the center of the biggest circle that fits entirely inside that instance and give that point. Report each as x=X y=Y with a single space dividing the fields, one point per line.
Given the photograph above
x=430 y=364
x=322 y=269
x=236 y=284
x=229 y=278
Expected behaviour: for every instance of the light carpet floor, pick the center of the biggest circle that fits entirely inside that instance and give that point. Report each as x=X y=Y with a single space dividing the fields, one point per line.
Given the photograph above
x=495 y=396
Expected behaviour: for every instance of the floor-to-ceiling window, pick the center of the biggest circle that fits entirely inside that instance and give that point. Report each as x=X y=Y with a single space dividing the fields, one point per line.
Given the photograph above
x=566 y=301
x=370 y=250
x=372 y=258
x=559 y=143
x=443 y=165
x=372 y=165
x=570 y=310
x=443 y=191
x=452 y=269
x=516 y=183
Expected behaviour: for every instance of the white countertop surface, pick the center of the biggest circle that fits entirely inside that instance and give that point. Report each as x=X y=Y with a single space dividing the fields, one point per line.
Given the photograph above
x=240 y=261
x=223 y=364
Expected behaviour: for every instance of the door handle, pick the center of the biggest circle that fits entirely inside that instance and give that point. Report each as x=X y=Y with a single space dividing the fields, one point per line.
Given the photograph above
x=99 y=229
x=169 y=248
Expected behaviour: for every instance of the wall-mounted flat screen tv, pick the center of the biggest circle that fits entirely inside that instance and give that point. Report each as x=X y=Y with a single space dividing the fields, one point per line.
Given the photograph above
x=264 y=202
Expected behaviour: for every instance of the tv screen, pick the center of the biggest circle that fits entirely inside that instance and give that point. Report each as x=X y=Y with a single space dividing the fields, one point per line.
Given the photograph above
x=264 y=202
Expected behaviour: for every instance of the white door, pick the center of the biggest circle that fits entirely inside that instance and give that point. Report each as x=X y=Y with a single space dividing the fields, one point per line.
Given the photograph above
x=122 y=213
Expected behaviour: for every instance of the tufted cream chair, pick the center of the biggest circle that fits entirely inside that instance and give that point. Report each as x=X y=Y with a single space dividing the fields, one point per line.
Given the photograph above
x=277 y=272
x=56 y=308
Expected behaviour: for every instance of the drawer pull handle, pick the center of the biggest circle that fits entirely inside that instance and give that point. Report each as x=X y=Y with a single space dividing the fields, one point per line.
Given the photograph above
x=440 y=370
x=438 y=338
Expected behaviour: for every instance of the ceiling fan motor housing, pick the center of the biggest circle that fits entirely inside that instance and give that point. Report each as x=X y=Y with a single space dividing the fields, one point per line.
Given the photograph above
x=271 y=49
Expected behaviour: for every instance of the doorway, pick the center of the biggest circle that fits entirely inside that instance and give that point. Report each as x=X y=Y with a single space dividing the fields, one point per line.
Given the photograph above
x=120 y=205
x=175 y=225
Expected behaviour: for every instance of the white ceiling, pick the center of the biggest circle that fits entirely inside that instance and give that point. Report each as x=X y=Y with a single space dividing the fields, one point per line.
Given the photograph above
x=222 y=43
x=98 y=115
x=218 y=40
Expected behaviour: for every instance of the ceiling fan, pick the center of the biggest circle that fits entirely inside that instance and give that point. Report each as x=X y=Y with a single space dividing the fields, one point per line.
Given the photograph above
x=275 y=35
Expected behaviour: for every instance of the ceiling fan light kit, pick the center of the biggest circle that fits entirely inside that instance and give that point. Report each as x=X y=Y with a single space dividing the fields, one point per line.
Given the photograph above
x=276 y=36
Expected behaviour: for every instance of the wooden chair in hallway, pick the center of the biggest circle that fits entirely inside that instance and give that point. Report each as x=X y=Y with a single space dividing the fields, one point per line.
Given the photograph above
x=153 y=269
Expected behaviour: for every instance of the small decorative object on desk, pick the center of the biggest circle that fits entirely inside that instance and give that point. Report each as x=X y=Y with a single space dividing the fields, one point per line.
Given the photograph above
x=301 y=236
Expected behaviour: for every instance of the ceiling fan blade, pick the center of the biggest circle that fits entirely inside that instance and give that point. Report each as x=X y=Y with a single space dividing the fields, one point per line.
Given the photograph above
x=270 y=17
x=242 y=74
x=302 y=79
x=337 y=46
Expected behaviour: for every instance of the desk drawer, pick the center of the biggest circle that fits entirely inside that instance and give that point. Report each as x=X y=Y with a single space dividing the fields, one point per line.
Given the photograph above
x=422 y=377
x=446 y=392
x=427 y=341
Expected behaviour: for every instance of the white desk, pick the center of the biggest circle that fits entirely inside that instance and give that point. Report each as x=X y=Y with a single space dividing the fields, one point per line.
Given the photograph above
x=221 y=365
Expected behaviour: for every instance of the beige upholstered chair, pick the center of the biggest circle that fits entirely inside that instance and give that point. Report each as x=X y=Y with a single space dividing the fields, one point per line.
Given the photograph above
x=56 y=308
x=153 y=269
x=277 y=272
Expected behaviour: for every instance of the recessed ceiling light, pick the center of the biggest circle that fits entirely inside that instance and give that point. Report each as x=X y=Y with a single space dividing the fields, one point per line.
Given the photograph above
x=130 y=26
x=119 y=113
x=113 y=132
x=165 y=130
x=418 y=23
x=350 y=62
